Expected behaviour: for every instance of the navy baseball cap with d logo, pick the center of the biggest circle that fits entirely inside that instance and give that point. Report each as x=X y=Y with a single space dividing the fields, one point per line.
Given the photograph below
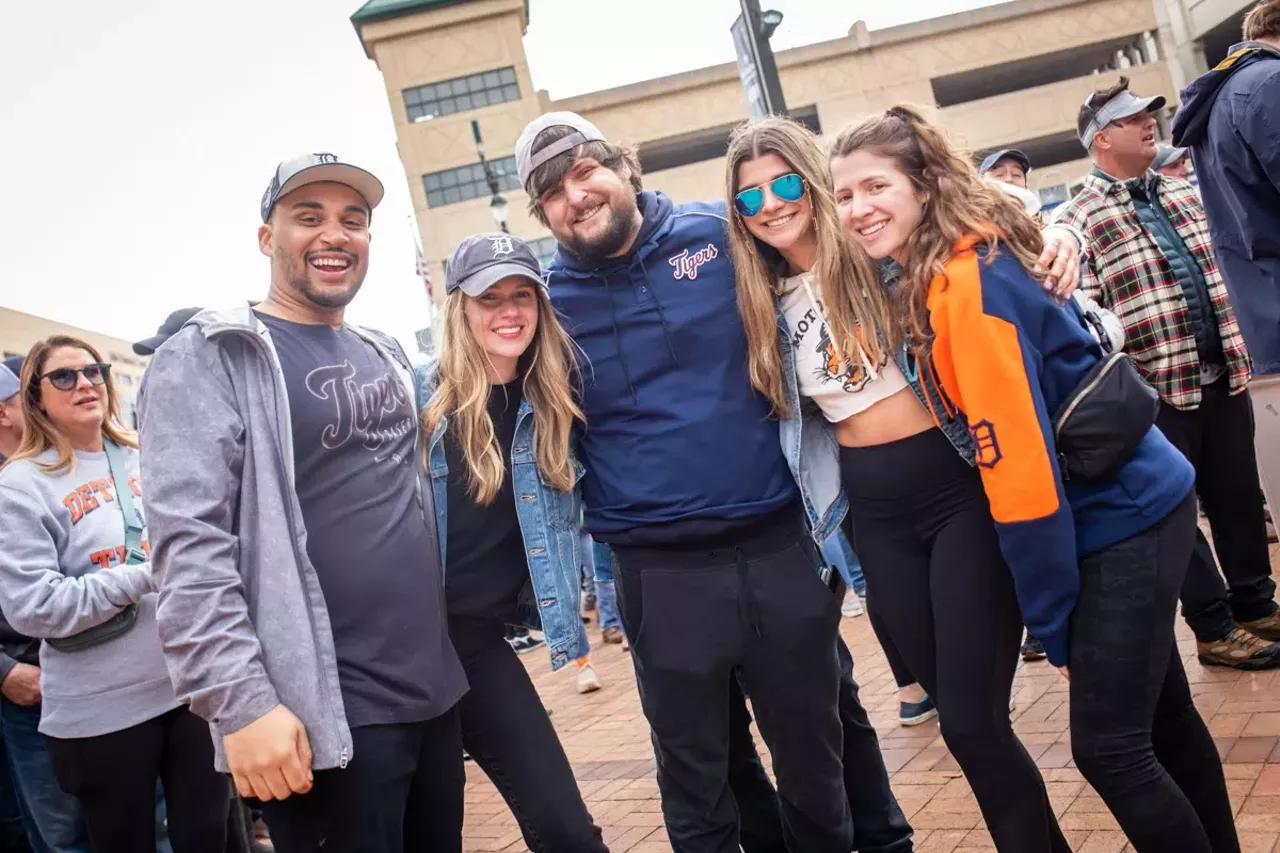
x=482 y=260
x=315 y=169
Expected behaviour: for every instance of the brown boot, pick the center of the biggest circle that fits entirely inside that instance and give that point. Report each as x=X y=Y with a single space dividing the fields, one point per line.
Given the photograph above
x=1239 y=650
x=1268 y=627
x=613 y=636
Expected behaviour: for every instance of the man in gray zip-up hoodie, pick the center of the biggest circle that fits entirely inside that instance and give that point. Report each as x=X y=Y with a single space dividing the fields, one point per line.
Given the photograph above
x=301 y=596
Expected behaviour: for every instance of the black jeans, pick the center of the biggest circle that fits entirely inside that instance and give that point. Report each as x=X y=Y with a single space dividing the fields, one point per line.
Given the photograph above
x=935 y=572
x=879 y=826
x=1217 y=439
x=1135 y=734
x=114 y=778
x=506 y=730
x=755 y=605
x=402 y=791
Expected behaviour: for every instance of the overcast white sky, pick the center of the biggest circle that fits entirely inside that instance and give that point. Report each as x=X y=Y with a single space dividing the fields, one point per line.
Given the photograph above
x=137 y=137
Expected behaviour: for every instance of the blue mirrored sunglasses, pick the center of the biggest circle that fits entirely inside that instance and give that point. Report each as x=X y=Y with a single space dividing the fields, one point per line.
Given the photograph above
x=788 y=187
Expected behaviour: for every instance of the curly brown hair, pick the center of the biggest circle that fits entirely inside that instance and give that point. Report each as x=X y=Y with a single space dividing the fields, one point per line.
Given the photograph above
x=958 y=204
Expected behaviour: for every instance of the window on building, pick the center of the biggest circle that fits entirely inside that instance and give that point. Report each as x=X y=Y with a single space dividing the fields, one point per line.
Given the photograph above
x=545 y=249
x=464 y=183
x=123 y=379
x=461 y=94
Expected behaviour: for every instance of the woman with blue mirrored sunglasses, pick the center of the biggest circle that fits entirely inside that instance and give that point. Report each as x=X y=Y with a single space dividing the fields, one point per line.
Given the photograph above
x=789 y=187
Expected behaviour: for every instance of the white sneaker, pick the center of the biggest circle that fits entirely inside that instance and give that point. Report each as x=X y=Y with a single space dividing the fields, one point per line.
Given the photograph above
x=852 y=606
x=588 y=681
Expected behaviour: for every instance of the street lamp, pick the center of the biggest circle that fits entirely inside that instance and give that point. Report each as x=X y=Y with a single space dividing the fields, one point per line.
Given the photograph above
x=769 y=21
x=498 y=205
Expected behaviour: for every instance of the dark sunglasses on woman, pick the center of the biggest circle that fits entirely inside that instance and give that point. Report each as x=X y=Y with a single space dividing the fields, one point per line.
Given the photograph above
x=788 y=187
x=65 y=378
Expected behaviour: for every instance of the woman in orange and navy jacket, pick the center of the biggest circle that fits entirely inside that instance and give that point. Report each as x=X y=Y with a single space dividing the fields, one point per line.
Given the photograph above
x=1097 y=564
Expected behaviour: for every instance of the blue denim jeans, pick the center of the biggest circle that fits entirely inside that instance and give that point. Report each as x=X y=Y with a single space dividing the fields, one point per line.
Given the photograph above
x=13 y=830
x=606 y=594
x=839 y=553
x=52 y=817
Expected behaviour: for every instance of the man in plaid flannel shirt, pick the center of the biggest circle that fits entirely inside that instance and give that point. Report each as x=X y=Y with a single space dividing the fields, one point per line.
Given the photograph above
x=1150 y=260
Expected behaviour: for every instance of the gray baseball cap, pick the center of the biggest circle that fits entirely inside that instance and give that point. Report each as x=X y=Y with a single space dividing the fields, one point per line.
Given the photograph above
x=1123 y=105
x=9 y=384
x=527 y=161
x=316 y=168
x=1167 y=155
x=482 y=260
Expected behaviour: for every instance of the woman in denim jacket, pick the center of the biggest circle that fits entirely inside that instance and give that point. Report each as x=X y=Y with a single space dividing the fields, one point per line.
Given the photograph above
x=499 y=410
x=961 y=634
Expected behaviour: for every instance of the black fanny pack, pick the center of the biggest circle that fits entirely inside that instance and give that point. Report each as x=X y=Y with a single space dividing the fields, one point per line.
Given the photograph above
x=1104 y=420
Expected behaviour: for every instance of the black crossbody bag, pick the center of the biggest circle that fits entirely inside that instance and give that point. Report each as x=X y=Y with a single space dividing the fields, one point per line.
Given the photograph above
x=1100 y=425
x=124 y=620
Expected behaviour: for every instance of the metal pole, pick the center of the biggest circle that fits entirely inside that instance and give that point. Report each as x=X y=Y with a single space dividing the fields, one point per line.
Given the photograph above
x=489 y=176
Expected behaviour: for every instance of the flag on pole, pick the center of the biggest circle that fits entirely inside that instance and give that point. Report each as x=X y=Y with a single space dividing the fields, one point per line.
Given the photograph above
x=424 y=272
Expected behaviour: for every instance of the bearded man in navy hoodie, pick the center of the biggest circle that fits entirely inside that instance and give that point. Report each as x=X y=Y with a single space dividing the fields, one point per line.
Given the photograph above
x=717 y=571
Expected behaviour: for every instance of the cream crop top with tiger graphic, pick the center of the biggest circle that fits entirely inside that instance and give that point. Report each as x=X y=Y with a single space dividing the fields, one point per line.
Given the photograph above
x=838 y=389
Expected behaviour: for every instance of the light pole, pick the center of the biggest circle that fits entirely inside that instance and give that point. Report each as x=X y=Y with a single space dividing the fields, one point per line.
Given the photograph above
x=498 y=205
x=756 y=66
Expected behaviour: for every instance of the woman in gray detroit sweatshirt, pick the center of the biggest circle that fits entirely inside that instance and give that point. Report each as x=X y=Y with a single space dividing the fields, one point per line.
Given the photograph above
x=75 y=571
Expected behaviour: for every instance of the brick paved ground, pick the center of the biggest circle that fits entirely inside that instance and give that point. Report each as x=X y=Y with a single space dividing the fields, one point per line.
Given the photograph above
x=607 y=741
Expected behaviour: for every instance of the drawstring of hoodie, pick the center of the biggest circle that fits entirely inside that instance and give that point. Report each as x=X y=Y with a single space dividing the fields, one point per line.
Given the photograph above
x=617 y=338
x=666 y=331
x=617 y=334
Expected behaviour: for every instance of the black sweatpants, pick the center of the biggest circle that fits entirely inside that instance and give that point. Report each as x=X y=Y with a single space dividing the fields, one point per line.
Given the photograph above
x=935 y=573
x=1135 y=733
x=879 y=826
x=505 y=728
x=402 y=791
x=754 y=604
x=114 y=778
x=1217 y=439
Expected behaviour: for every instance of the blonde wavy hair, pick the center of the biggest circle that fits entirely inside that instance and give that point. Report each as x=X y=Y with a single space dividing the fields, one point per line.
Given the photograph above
x=42 y=433
x=958 y=203
x=550 y=380
x=856 y=307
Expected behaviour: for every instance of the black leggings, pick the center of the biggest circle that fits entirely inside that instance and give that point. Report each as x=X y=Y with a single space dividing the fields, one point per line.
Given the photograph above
x=506 y=730
x=114 y=778
x=936 y=575
x=902 y=675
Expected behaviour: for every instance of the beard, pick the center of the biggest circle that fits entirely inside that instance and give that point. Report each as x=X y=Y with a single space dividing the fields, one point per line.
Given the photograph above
x=622 y=218
x=328 y=297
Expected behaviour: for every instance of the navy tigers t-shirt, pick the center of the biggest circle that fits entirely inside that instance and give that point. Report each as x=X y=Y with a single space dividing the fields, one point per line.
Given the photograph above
x=354 y=425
